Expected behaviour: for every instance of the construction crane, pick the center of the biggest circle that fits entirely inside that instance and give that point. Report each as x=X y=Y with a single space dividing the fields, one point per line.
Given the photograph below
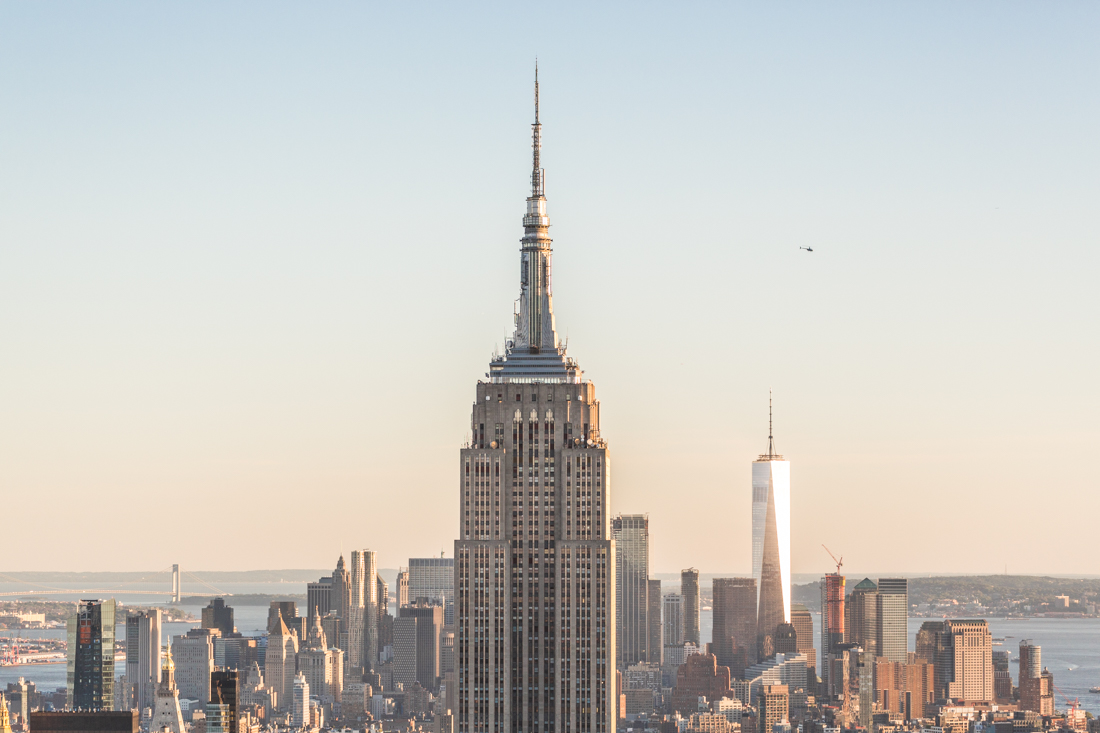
x=839 y=561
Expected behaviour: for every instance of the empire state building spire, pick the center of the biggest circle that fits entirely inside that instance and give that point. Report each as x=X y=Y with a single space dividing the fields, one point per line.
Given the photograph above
x=534 y=352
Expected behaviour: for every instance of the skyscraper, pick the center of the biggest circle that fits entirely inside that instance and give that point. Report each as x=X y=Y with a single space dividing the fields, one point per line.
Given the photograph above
x=892 y=610
x=734 y=635
x=674 y=619
x=861 y=624
x=655 y=641
x=218 y=616
x=416 y=645
x=689 y=589
x=221 y=711
x=362 y=623
x=432 y=578
x=143 y=656
x=803 y=623
x=771 y=540
x=193 y=654
x=970 y=656
x=534 y=562
x=1036 y=685
x=280 y=661
x=832 y=627
x=631 y=535
x=91 y=656
x=318 y=598
x=403 y=587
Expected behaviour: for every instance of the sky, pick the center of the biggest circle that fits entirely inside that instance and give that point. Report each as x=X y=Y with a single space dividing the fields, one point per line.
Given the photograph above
x=254 y=258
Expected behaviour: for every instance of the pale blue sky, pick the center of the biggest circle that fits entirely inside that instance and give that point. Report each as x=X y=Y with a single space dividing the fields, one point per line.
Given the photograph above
x=254 y=256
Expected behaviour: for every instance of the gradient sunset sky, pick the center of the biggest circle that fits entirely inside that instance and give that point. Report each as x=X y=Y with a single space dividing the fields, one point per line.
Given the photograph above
x=255 y=256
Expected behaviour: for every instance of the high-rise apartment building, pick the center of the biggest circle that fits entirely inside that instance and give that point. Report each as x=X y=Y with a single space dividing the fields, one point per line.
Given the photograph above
x=832 y=628
x=91 y=656
x=689 y=589
x=433 y=578
x=631 y=535
x=861 y=624
x=534 y=562
x=892 y=623
x=1036 y=684
x=734 y=633
x=143 y=656
x=218 y=616
x=362 y=624
x=771 y=540
x=655 y=642
x=193 y=654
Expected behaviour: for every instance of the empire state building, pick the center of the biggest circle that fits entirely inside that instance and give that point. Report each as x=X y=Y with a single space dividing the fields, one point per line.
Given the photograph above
x=534 y=565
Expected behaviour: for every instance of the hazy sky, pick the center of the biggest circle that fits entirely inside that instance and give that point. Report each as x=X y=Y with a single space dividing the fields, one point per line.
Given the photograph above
x=254 y=257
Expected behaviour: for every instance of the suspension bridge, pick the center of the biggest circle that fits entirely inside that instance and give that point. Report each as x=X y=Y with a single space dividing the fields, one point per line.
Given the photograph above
x=173 y=592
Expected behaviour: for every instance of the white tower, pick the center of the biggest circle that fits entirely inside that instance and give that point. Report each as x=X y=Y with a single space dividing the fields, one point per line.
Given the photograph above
x=771 y=537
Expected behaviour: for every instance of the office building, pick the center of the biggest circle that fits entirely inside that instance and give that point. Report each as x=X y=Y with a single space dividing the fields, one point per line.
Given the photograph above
x=91 y=656
x=193 y=655
x=318 y=597
x=166 y=704
x=832 y=627
x=433 y=578
x=218 y=616
x=299 y=704
x=221 y=711
x=281 y=660
x=143 y=656
x=861 y=624
x=700 y=675
x=803 y=623
x=734 y=631
x=322 y=666
x=1002 y=677
x=904 y=688
x=403 y=587
x=534 y=563
x=363 y=611
x=674 y=619
x=970 y=657
x=5 y=716
x=103 y=721
x=772 y=707
x=655 y=640
x=892 y=622
x=689 y=589
x=631 y=535
x=771 y=541
x=416 y=645
x=932 y=647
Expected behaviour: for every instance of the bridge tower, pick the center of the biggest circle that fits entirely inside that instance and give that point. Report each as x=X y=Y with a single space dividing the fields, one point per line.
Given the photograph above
x=175 y=584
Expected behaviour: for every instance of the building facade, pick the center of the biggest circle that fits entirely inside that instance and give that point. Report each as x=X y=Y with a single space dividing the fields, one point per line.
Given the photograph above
x=673 y=606
x=534 y=562
x=832 y=628
x=631 y=535
x=218 y=616
x=362 y=621
x=861 y=624
x=971 y=658
x=432 y=578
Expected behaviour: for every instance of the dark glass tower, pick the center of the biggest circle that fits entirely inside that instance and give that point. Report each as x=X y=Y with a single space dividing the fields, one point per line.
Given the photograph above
x=91 y=656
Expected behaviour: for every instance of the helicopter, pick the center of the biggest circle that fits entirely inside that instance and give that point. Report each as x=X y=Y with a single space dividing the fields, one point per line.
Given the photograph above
x=808 y=249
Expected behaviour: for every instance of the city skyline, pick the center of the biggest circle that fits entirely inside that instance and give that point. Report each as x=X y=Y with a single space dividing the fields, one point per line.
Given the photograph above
x=180 y=330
